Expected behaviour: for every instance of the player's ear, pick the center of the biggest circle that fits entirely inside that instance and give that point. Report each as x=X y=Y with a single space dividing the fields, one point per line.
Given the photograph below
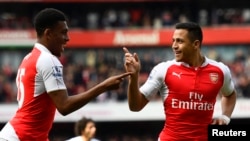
x=196 y=44
x=48 y=33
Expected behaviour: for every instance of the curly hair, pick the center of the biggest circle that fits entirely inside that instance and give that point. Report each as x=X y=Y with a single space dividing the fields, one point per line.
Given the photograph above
x=81 y=125
x=47 y=18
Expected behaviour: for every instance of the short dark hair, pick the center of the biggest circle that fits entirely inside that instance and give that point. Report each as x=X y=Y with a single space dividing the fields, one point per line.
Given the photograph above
x=195 y=31
x=47 y=18
x=81 y=124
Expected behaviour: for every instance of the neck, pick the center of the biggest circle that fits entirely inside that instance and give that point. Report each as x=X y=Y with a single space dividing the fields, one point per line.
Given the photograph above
x=85 y=138
x=197 y=61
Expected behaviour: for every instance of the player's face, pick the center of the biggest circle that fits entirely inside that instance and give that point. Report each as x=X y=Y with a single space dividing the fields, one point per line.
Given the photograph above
x=90 y=130
x=58 y=38
x=182 y=47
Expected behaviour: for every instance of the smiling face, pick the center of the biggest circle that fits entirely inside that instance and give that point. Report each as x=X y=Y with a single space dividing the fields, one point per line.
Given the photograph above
x=57 y=37
x=52 y=30
x=183 y=48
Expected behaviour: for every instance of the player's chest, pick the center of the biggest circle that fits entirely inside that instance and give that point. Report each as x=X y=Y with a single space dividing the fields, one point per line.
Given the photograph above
x=189 y=80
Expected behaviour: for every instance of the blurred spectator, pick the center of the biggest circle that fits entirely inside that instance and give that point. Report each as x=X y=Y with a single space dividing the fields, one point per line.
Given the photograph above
x=167 y=19
x=110 y=19
x=146 y=21
x=136 y=17
x=157 y=23
x=85 y=130
x=93 y=20
x=203 y=17
x=246 y=15
x=244 y=85
x=123 y=19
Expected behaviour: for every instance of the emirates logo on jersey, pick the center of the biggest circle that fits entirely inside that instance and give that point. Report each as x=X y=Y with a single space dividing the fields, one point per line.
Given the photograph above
x=214 y=77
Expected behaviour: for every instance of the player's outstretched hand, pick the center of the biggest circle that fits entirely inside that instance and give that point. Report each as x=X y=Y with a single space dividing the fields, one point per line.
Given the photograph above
x=131 y=61
x=113 y=82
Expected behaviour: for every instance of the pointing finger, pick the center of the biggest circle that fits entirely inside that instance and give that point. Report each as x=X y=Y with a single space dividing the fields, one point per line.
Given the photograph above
x=123 y=75
x=136 y=57
x=125 y=50
x=127 y=53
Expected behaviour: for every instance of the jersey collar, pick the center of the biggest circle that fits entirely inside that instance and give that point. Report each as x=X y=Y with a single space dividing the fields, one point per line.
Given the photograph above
x=41 y=47
x=205 y=63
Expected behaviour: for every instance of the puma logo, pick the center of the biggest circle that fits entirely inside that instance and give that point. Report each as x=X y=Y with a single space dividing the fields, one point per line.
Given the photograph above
x=177 y=74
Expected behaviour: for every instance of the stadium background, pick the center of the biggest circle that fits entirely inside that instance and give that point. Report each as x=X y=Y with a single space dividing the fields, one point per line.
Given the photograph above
x=98 y=31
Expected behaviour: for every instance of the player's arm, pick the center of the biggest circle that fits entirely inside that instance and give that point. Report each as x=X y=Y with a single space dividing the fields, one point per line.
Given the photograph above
x=228 y=99
x=136 y=99
x=228 y=104
x=67 y=104
x=229 y=95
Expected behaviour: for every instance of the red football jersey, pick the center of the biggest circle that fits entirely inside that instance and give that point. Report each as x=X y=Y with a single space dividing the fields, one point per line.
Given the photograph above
x=39 y=73
x=189 y=95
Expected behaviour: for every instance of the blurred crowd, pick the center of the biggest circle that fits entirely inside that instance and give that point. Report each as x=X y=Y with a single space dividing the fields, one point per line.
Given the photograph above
x=83 y=68
x=96 y=16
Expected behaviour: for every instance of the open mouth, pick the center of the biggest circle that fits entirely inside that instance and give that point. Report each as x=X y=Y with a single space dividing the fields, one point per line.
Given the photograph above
x=177 y=52
x=63 y=46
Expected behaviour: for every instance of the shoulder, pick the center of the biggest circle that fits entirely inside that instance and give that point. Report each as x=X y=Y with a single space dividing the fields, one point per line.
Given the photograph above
x=167 y=64
x=218 y=64
x=162 y=67
x=221 y=67
x=45 y=56
x=47 y=61
x=48 y=58
x=159 y=71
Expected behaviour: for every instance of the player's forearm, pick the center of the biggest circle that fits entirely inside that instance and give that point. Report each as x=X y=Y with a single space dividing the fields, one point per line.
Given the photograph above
x=228 y=104
x=77 y=101
x=134 y=97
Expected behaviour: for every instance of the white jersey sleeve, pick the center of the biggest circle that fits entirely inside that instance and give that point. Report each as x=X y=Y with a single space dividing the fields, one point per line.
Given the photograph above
x=228 y=85
x=51 y=71
x=155 y=81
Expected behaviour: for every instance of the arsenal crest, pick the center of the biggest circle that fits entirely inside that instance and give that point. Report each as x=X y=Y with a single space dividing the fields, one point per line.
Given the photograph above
x=214 y=77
